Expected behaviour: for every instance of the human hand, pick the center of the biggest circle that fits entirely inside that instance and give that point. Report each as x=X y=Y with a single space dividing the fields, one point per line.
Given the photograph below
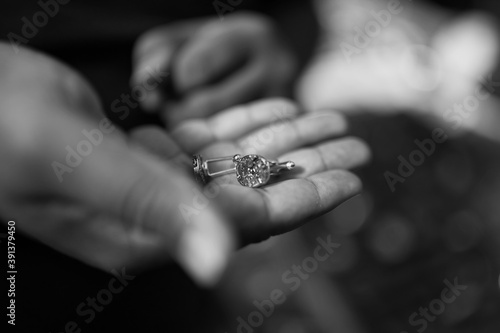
x=110 y=204
x=276 y=130
x=73 y=182
x=213 y=65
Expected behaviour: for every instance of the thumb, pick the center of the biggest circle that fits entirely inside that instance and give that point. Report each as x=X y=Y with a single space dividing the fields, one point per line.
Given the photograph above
x=157 y=204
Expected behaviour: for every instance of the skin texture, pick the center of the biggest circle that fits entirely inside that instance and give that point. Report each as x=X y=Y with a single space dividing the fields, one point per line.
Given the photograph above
x=121 y=206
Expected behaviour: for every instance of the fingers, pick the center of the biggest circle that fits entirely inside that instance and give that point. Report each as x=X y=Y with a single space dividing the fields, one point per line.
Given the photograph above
x=226 y=64
x=155 y=48
x=153 y=52
x=284 y=137
x=294 y=201
x=148 y=197
x=281 y=134
x=287 y=205
x=240 y=87
x=303 y=131
x=156 y=141
x=214 y=66
x=199 y=54
x=119 y=199
x=193 y=135
x=135 y=204
x=212 y=52
x=72 y=228
x=345 y=153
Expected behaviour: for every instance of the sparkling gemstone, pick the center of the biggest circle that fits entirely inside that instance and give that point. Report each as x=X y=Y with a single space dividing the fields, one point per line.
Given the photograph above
x=252 y=170
x=199 y=173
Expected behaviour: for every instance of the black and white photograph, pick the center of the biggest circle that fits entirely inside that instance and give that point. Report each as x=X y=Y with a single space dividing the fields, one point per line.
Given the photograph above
x=250 y=166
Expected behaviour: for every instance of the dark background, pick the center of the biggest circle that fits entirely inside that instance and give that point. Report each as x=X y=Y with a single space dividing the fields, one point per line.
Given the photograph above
x=452 y=199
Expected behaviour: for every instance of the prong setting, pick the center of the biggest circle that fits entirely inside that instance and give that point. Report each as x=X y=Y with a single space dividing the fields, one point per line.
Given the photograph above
x=236 y=158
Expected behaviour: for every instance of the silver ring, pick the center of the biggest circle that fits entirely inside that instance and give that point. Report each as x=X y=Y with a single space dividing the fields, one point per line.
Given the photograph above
x=251 y=170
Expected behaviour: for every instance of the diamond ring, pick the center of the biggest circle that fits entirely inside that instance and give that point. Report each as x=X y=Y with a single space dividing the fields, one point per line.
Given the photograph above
x=251 y=170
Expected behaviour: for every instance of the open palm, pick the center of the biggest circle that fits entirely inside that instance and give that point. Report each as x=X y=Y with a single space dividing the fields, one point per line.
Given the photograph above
x=276 y=130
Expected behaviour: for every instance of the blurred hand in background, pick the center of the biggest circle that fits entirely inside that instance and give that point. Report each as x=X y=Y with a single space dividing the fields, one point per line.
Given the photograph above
x=213 y=65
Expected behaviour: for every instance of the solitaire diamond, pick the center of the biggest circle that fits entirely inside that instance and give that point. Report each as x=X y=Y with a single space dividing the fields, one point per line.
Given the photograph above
x=252 y=170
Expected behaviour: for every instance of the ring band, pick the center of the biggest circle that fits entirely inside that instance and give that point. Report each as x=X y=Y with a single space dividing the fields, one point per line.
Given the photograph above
x=251 y=170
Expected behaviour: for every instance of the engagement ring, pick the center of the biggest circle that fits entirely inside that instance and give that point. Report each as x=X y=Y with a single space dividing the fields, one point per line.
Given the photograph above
x=251 y=170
